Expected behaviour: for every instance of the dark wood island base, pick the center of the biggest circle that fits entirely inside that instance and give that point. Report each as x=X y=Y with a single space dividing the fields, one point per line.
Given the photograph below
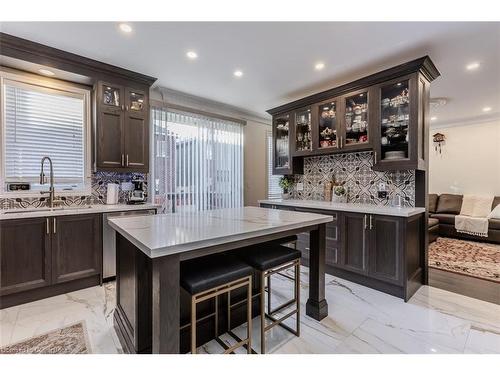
x=152 y=312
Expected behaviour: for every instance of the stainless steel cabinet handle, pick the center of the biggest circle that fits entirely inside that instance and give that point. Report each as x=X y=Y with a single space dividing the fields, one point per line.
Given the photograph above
x=341 y=141
x=127 y=161
x=374 y=157
x=54 y=224
x=123 y=160
x=123 y=107
x=371 y=222
x=47 y=226
x=126 y=108
x=364 y=222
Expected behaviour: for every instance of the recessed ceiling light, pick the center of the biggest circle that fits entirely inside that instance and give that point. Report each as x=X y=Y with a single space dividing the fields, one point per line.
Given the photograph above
x=472 y=66
x=434 y=118
x=238 y=73
x=319 y=66
x=46 y=72
x=486 y=109
x=399 y=83
x=191 y=55
x=125 y=27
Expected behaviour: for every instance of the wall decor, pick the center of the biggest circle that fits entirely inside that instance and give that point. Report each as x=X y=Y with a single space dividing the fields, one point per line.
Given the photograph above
x=438 y=139
x=360 y=181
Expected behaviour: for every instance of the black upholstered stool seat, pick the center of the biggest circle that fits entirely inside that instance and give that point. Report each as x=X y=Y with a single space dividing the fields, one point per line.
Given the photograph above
x=208 y=272
x=269 y=256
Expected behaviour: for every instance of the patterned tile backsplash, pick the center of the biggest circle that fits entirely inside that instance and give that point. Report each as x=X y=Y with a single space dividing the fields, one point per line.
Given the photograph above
x=361 y=181
x=100 y=181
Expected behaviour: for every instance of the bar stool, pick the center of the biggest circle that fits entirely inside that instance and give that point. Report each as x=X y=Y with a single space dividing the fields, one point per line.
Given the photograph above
x=209 y=277
x=269 y=259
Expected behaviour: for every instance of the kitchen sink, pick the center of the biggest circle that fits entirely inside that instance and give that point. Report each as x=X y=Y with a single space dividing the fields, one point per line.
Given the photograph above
x=44 y=209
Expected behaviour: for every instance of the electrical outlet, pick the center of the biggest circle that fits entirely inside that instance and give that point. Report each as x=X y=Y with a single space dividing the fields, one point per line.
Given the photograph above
x=300 y=186
x=381 y=186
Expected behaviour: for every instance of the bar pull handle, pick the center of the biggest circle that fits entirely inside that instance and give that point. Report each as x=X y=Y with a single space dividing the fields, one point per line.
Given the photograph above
x=123 y=160
x=341 y=141
x=47 y=226
x=374 y=157
x=127 y=161
x=365 y=222
x=54 y=224
x=371 y=222
x=126 y=108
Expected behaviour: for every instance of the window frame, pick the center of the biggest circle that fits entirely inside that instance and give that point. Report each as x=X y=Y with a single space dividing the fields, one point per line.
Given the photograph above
x=27 y=80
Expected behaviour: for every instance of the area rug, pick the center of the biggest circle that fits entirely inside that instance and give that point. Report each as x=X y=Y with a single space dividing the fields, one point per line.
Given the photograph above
x=477 y=259
x=68 y=340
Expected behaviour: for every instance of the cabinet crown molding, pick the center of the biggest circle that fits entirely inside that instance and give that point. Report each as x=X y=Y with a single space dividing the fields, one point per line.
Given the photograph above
x=424 y=65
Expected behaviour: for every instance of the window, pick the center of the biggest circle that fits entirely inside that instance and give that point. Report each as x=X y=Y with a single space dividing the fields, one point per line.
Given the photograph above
x=273 y=187
x=198 y=161
x=44 y=118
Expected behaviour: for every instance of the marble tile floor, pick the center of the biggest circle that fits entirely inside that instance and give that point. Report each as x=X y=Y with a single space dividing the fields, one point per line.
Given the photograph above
x=360 y=320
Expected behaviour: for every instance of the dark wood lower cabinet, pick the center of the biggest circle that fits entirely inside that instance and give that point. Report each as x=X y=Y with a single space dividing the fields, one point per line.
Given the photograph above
x=25 y=255
x=76 y=247
x=42 y=257
x=382 y=252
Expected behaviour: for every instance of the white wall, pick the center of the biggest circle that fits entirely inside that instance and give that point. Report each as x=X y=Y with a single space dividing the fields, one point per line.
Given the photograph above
x=469 y=162
x=255 y=156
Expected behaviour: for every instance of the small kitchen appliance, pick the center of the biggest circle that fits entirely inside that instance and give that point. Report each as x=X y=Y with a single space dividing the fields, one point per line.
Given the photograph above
x=137 y=195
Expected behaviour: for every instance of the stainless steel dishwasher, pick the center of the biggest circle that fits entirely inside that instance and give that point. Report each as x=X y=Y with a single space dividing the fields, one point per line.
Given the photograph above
x=109 y=240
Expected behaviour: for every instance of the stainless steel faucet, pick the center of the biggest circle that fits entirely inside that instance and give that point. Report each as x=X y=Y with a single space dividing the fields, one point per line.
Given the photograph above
x=51 y=191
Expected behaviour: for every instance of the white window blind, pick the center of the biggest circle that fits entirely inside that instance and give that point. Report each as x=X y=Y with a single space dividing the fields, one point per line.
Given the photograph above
x=43 y=122
x=198 y=161
x=273 y=188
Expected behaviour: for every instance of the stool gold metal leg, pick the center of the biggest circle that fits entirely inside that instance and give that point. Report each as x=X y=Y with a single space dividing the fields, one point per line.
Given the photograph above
x=249 y=316
x=193 y=325
x=269 y=294
x=262 y=314
x=297 y=294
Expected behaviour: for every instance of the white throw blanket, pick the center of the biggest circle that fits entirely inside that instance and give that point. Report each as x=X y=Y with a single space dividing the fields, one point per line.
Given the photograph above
x=473 y=218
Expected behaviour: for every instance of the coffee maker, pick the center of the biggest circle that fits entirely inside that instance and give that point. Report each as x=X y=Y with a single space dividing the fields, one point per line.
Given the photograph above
x=138 y=194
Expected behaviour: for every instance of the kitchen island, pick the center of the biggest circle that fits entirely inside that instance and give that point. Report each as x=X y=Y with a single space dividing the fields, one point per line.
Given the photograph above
x=149 y=252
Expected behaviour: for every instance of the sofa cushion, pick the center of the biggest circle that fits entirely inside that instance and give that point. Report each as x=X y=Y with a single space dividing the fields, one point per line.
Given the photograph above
x=494 y=224
x=433 y=221
x=445 y=218
x=433 y=201
x=449 y=204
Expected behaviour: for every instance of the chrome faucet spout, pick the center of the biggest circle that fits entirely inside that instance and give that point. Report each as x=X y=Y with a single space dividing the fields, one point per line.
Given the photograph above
x=51 y=191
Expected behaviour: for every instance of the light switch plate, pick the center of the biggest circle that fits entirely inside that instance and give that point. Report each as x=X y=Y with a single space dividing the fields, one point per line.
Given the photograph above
x=300 y=186
x=381 y=186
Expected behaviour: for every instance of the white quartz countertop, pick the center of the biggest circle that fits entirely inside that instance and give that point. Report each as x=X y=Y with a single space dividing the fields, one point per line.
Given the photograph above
x=23 y=213
x=349 y=207
x=159 y=235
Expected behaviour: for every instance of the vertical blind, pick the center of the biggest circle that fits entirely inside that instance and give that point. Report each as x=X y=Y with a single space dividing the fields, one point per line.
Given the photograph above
x=41 y=122
x=198 y=161
x=273 y=187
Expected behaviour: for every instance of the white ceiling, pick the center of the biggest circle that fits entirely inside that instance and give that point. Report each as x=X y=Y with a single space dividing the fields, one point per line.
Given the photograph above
x=278 y=58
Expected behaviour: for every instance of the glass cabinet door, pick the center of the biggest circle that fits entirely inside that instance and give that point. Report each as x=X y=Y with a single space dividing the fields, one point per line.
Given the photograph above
x=136 y=100
x=281 y=142
x=356 y=119
x=327 y=123
x=303 y=136
x=394 y=121
x=111 y=96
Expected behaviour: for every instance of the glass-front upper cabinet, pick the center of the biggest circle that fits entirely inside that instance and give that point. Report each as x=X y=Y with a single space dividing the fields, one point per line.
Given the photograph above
x=327 y=125
x=111 y=96
x=136 y=100
x=303 y=133
x=394 y=121
x=356 y=120
x=281 y=138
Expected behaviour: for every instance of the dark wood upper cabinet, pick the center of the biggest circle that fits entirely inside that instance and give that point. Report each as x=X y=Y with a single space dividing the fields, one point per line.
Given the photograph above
x=282 y=136
x=122 y=129
x=399 y=136
x=25 y=255
x=76 y=247
x=386 y=112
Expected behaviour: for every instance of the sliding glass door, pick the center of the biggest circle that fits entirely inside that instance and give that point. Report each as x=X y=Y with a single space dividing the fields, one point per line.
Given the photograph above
x=198 y=161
